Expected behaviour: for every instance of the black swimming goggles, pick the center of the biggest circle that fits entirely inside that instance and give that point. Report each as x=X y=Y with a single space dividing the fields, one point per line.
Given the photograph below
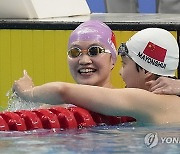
x=123 y=50
x=91 y=51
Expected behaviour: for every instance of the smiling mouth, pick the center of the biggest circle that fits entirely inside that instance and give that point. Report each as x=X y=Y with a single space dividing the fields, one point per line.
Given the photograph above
x=86 y=70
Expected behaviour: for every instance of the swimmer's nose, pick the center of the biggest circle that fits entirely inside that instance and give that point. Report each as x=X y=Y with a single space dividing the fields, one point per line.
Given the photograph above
x=85 y=59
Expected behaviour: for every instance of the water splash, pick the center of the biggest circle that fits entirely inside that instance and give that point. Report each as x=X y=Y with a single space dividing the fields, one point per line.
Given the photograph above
x=16 y=103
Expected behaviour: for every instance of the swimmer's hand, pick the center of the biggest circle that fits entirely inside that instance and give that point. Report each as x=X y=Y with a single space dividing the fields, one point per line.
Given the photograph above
x=49 y=93
x=24 y=87
x=164 y=85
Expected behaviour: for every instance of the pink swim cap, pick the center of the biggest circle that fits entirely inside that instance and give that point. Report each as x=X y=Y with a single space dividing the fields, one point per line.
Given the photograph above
x=97 y=31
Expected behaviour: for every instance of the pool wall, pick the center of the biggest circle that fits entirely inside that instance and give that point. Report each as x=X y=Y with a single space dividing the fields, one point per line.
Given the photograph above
x=40 y=47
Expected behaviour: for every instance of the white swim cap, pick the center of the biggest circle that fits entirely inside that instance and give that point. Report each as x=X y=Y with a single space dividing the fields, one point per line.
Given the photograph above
x=156 y=50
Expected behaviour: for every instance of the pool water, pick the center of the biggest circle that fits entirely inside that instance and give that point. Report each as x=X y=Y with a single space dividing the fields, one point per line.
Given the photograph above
x=102 y=139
x=124 y=138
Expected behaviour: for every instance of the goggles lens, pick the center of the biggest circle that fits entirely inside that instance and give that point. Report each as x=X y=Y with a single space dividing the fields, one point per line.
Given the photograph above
x=74 y=52
x=91 y=51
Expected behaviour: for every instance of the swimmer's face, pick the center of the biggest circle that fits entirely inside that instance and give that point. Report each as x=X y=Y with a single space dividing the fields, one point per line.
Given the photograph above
x=130 y=75
x=89 y=70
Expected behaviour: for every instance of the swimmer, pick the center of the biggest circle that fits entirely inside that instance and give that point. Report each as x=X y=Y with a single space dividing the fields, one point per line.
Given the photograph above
x=145 y=57
x=92 y=53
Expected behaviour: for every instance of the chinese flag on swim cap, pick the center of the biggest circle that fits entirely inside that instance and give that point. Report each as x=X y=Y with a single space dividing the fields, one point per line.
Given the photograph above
x=154 y=51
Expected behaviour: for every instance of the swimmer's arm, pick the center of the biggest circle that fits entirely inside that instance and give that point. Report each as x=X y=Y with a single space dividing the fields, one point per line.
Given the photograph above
x=49 y=93
x=145 y=106
x=116 y=102
x=140 y=104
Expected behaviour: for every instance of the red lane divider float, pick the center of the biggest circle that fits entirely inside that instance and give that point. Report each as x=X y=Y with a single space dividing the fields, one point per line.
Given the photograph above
x=82 y=116
x=31 y=119
x=3 y=124
x=14 y=121
x=65 y=117
x=56 y=117
x=49 y=120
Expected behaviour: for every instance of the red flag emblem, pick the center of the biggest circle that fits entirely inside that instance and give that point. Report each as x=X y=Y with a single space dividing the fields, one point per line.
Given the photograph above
x=113 y=38
x=154 y=51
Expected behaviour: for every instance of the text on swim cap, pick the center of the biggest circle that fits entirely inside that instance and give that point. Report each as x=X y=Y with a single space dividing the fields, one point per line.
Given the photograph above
x=151 y=60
